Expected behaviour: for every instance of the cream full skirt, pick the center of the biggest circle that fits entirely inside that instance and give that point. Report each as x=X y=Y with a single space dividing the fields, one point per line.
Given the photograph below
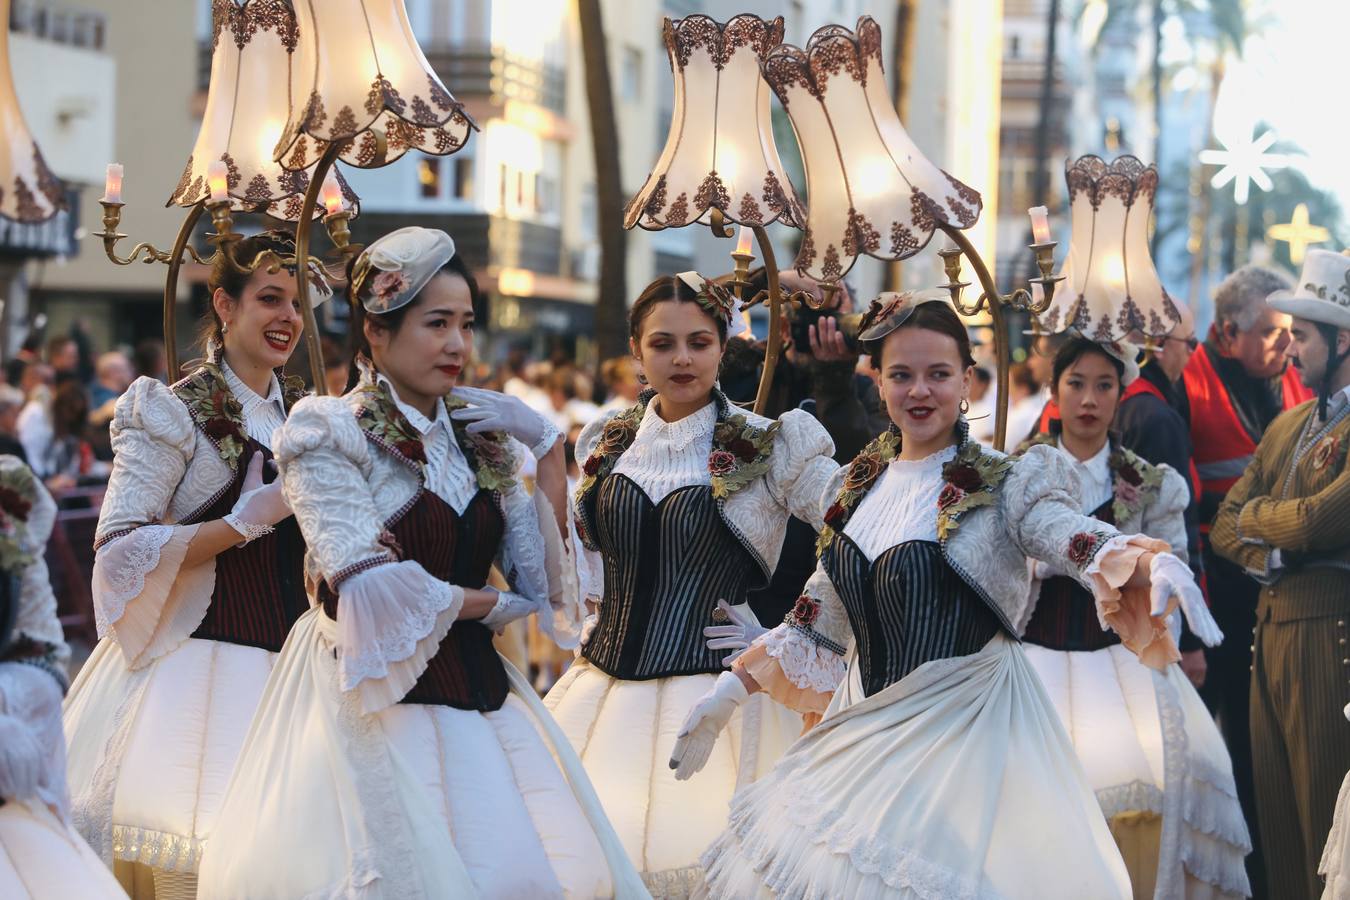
x=42 y=859
x=1150 y=747
x=624 y=732
x=413 y=801
x=151 y=751
x=1335 y=866
x=955 y=782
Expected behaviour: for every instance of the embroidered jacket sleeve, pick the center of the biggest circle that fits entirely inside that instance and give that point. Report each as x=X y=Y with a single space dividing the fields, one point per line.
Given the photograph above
x=391 y=614
x=33 y=666
x=530 y=544
x=801 y=466
x=1164 y=517
x=1041 y=511
x=801 y=662
x=145 y=599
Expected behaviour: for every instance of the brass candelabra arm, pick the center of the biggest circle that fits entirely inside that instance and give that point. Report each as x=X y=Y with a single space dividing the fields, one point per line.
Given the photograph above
x=112 y=217
x=340 y=234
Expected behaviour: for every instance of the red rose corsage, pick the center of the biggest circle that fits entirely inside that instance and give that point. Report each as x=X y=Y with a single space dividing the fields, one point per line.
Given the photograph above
x=805 y=611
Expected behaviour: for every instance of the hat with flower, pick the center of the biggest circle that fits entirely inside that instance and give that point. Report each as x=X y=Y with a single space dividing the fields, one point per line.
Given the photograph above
x=391 y=271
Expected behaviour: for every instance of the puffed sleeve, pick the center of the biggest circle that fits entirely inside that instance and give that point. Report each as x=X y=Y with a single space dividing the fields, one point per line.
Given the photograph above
x=1040 y=507
x=801 y=467
x=1164 y=517
x=145 y=598
x=533 y=559
x=392 y=614
x=33 y=665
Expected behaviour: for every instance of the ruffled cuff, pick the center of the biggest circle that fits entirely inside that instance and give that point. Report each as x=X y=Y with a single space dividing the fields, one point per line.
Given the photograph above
x=390 y=622
x=145 y=599
x=1126 y=611
x=794 y=670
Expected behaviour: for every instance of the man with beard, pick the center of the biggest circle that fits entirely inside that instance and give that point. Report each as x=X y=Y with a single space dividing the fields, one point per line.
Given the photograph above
x=1287 y=522
x=1236 y=383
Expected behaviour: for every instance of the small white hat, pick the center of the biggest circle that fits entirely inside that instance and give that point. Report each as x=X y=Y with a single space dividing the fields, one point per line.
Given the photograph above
x=1323 y=291
x=399 y=265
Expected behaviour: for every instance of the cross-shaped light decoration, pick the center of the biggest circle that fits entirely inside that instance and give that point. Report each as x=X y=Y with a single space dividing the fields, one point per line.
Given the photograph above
x=1243 y=163
x=1298 y=233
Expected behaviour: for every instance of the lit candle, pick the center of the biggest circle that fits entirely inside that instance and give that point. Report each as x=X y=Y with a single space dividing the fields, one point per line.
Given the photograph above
x=743 y=240
x=218 y=178
x=1040 y=224
x=1037 y=293
x=332 y=194
x=112 y=184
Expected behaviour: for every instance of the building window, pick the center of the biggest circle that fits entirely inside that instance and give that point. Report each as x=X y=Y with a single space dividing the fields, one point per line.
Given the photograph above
x=505 y=176
x=429 y=178
x=1015 y=46
x=464 y=177
x=632 y=74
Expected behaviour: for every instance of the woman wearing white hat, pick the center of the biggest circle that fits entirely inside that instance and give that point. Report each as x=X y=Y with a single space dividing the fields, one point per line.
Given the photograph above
x=197 y=579
x=395 y=754
x=940 y=768
x=1151 y=750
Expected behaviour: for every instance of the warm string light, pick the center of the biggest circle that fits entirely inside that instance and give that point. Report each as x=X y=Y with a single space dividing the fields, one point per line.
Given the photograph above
x=112 y=184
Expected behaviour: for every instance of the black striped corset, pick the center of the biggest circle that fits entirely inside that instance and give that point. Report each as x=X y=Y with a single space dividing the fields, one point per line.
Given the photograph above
x=260 y=587
x=1065 y=617
x=666 y=566
x=907 y=608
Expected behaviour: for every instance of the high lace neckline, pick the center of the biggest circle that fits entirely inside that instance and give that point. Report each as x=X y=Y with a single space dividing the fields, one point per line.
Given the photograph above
x=935 y=459
x=681 y=433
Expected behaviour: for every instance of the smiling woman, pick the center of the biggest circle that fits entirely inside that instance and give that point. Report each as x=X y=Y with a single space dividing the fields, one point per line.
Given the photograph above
x=197 y=579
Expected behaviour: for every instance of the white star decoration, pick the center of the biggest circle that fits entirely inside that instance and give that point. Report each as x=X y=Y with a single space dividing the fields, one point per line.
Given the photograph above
x=1243 y=164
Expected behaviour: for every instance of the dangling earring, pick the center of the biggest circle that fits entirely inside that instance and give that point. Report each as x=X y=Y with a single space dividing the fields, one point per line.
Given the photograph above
x=965 y=406
x=224 y=327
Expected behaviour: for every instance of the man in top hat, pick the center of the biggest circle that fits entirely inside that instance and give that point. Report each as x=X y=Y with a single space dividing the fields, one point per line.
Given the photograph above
x=1287 y=522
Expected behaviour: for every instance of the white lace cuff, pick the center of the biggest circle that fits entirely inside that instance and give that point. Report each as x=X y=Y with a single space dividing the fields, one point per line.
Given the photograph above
x=145 y=599
x=507 y=609
x=805 y=663
x=390 y=622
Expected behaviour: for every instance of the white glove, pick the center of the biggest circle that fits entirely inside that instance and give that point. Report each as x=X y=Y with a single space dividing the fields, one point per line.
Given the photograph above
x=587 y=626
x=260 y=506
x=492 y=411
x=698 y=734
x=1170 y=577
x=737 y=636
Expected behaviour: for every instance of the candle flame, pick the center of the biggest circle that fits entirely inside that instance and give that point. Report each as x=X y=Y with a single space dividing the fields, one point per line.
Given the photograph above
x=217 y=178
x=332 y=194
x=743 y=240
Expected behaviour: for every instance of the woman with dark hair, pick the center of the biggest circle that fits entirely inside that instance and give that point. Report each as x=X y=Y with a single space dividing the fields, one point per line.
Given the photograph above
x=197 y=579
x=1150 y=749
x=940 y=768
x=681 y=509
x=41 y=855
x=395 y=753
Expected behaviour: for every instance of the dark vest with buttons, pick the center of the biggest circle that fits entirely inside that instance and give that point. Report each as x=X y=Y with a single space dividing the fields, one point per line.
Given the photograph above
x=666 y=566
x=465 y=671
x=260 y=587
x=1065 y=617
x=906 y=608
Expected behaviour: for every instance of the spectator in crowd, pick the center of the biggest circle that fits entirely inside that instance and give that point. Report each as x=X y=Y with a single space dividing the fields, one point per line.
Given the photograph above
x=566 y=407
x=11 y=402
x=34 y=425
x=1027 y=398
x=1236 y=384
x=1152 y=423
x=113 y=375
x=981 y=414
x=28 y=353
x=63 y=355
x=150 y=360
x=337 y=364
x=622 y=384
x=58 y=452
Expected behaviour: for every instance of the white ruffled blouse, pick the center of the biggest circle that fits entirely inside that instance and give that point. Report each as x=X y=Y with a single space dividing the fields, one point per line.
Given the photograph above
x=262 y=415
x=1094 y=477
x=448 y=475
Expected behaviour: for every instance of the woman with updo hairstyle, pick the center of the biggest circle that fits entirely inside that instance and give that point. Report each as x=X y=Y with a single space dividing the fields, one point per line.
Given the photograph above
x=680 y=510
x=1151 y=751
x=396 y=753
x=940 y=768
x=198 y=577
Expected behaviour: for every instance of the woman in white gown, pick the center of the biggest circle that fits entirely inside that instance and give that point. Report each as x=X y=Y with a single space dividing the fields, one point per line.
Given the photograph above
x=940 y=768
x=394 y=753
x=682 y=508
x=1151 y=750
x=197 y=579
x=41 y=855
